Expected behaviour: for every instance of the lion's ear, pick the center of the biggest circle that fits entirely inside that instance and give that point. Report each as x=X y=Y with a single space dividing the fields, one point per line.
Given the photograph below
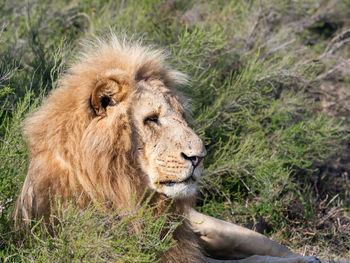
x=108 y=92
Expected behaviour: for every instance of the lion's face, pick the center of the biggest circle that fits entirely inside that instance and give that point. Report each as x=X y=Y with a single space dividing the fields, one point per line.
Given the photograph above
x=169 y=152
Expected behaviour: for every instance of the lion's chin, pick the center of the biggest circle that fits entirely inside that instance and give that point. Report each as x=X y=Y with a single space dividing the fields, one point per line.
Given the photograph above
x=178 y=190
x=184 y=188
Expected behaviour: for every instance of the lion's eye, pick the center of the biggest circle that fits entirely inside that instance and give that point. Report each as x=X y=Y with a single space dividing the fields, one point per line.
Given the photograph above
x=150 y=119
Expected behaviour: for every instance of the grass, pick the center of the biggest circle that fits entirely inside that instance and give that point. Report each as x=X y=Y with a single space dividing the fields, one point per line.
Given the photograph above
x=269 y=86
x=92 y=236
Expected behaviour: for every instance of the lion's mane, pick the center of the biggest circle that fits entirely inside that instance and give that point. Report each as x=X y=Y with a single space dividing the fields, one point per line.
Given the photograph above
x=74 y=154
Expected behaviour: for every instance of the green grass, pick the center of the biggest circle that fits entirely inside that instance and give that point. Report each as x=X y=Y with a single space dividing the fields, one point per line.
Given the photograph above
x=92 y=236
x=269 y=89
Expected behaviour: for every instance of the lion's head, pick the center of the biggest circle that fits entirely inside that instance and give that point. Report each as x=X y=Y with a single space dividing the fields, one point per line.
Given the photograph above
x=167 y=150
x=170 y=153
x=113 y=128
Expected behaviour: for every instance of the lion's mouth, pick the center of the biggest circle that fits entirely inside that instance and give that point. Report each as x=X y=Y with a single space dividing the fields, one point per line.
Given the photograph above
x=189 y=179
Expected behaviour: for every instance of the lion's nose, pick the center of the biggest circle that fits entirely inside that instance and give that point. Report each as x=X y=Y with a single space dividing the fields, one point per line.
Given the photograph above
x=195 y=160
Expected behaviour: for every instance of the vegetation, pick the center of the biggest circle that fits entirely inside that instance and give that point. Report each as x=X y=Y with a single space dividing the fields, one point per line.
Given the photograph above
x=270 y=88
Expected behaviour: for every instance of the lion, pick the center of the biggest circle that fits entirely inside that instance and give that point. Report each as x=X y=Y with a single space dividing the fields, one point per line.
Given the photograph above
x=116 y=127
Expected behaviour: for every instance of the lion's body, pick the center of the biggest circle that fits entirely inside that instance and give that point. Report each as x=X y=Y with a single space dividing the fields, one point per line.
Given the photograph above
x=77 y=153
x=113 y=130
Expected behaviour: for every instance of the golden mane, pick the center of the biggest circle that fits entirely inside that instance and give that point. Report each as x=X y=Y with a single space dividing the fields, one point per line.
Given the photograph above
x=74 y=151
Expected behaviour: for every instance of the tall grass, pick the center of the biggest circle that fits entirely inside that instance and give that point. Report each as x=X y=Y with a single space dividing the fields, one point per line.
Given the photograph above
x=263 y=74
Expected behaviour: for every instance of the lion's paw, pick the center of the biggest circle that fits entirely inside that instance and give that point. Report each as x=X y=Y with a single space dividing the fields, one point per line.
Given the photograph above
x=312 y=260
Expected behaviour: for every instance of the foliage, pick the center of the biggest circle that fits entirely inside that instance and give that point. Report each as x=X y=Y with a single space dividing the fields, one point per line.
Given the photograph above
x=269 y=89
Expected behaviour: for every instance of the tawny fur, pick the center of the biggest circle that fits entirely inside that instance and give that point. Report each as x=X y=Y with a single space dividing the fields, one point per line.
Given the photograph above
x=76 y=153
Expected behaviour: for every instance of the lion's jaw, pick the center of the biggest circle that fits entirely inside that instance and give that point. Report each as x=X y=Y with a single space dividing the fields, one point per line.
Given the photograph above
x=169 y=152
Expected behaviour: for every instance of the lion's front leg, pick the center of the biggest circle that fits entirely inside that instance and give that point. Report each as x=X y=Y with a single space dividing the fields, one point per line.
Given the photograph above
x=225 y=240
x=269 y=259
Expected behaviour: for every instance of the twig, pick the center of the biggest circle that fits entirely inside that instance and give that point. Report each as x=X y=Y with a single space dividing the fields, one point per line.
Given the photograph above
x=337 y=42
x=332 y=70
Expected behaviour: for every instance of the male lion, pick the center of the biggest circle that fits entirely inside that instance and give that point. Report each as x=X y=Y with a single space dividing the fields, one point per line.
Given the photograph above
x=114 y=128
